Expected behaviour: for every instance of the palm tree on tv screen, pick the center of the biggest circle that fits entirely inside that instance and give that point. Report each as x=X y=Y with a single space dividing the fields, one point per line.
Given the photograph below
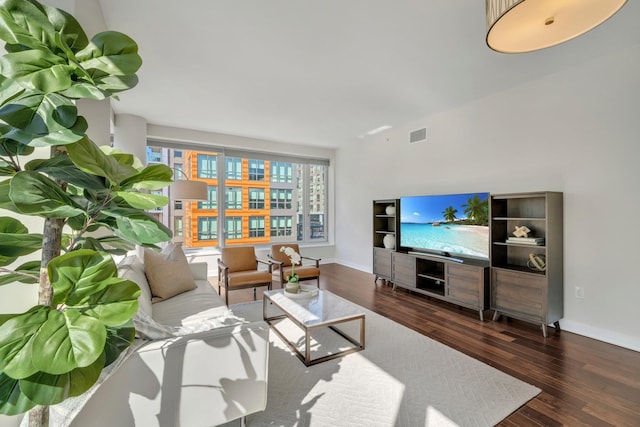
x=477 y=210
x=449 y=214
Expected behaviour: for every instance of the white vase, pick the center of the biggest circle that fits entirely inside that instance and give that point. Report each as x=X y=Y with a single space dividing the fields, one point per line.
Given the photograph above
x=389 y=241
x=390 y=210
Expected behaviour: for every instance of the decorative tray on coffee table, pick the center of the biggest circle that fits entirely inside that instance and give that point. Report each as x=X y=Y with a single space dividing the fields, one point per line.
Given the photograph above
x=306 y=291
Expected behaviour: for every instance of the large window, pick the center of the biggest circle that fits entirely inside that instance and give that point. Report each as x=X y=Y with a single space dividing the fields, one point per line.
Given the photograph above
x=233 y=198
x=207 y=166
x=208 y=228
x=262 y=199
x=212 y=200
x=256 y=170
x=233 y=168
x=256 y=198
x=256 y=226
x=281 y=198
x=234 y=227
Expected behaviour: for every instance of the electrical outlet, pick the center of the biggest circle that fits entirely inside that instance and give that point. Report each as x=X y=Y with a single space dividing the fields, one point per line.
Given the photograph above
x=579 y=292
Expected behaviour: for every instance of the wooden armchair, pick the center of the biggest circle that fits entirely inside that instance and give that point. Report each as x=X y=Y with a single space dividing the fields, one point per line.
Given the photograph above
x=282 y=263
x=238 y=269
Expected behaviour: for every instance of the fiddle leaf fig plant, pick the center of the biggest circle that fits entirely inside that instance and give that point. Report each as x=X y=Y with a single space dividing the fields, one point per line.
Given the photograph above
x=82 y=321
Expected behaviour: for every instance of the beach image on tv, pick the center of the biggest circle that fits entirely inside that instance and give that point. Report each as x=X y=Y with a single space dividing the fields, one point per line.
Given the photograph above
x=453 y=223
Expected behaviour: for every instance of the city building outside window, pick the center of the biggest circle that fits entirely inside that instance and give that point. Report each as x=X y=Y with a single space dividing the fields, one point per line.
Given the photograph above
x=256 y=226
x=233 y=227
x=264 y=202
x=233 y=198
x=233 y=167
x=281 y=172
x=256 y=198
x=281 y=226
x=178 y=227
x=281 y=198
x=256 y=170
x=208 y=228
x=212 y=201
x=207 y=166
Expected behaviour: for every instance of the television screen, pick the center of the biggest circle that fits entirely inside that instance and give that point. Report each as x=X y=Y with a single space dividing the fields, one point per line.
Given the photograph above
x=450 y=224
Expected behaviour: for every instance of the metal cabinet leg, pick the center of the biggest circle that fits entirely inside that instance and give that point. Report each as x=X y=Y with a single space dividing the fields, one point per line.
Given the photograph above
x=544 y=330
x=496 y=315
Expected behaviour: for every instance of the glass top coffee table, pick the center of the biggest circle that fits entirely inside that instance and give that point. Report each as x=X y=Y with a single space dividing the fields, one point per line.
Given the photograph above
x=323 y=309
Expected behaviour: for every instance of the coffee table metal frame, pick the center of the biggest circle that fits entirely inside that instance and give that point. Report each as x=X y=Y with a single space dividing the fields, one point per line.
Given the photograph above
x=278 y=299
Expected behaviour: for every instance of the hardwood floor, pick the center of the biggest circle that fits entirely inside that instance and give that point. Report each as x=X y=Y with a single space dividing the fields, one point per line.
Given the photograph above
x=583 y=381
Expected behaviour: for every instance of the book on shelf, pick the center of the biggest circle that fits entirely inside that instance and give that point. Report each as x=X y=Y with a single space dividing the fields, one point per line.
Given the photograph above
x=526 y=240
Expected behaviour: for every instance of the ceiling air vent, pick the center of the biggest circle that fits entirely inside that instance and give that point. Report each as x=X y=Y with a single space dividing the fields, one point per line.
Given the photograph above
x=418 y=135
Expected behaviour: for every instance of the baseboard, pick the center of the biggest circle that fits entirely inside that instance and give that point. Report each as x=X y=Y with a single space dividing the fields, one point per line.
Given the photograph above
x=604 y=335
x=366 y=269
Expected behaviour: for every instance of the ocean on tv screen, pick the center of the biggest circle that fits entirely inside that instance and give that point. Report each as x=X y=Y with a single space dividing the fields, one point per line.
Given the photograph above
x=469 y=240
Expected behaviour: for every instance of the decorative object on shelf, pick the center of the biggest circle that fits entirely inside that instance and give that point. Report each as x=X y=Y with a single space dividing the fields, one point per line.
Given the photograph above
x=295 y=260
x=537 y=262
x=389 y=241
x=390 y=210
x=521 y=231
x=517 y=26
x=535 y=241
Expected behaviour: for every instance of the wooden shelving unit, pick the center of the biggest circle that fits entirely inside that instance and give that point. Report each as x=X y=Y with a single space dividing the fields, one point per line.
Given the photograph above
x=518 y=289
x=384 y=224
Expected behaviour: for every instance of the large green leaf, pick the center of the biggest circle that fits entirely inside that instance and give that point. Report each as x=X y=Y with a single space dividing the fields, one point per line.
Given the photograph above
x=15 y=240
x=67 y=340
x=143 y=200
x=116 y=303
x=6 y=168
x=48 y=389
x=138 y=227
x=110 y=53
x=12 y=400
x=40 y=113
x=89 y=158
x=77 y=275
x=115 y=84
x=35 y=194
x=118 y=340
x=16 y=342
x=152 y=177
x=9 y=89
x=5 y=200
x=71 y=33
x=9 y=147
x=61 y=167
x=23 y=23
x=37 y=69
x=58 y=136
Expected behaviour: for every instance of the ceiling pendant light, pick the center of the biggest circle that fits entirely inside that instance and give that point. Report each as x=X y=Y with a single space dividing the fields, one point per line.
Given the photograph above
x=516 y=26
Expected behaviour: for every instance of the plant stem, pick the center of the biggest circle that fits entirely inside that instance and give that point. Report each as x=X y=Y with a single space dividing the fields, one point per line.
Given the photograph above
x=39 y=416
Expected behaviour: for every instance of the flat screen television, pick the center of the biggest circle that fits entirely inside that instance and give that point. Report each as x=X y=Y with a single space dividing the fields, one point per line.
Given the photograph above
x=452 y=225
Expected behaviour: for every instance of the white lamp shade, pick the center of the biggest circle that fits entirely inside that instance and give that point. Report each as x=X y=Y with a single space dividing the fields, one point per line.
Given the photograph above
x=189 y=190
x=516 y=26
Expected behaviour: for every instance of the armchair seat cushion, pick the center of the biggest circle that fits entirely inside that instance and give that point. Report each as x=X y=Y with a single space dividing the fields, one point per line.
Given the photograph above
x=248 y=278
x=303 y=272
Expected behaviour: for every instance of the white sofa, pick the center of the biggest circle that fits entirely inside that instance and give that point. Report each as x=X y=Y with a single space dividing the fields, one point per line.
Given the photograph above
x=201 y=378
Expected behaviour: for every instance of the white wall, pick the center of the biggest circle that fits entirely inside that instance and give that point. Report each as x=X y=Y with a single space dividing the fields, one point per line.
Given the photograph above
x=576 y=131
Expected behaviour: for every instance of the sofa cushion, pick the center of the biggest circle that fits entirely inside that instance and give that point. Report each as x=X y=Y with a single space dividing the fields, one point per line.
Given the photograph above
x=168 y=273
x=132 y=269
x=190 y=307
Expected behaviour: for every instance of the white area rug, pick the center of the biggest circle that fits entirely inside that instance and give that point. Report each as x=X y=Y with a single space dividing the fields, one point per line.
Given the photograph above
x=401 y=378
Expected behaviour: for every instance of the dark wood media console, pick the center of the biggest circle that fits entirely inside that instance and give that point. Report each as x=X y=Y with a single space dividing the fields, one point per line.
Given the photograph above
x=463 y=283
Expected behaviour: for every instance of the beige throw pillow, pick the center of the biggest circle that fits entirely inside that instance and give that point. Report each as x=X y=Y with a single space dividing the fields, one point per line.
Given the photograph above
x=168 y=273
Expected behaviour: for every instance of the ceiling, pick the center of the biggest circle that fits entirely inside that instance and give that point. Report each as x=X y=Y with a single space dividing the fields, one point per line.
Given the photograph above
x=325 y=73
